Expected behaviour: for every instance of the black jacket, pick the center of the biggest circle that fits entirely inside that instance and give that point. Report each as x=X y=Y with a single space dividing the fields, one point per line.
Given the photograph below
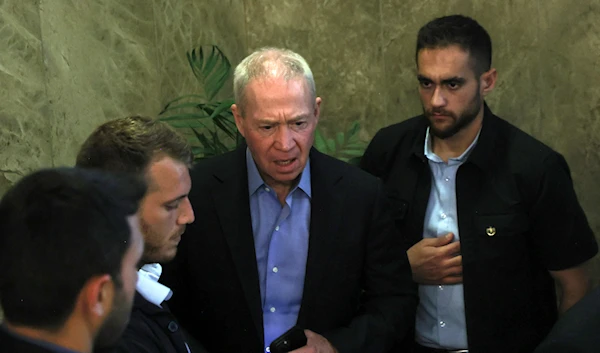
x=152 y=329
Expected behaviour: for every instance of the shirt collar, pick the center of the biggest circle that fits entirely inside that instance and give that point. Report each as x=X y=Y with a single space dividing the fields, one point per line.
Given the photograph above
x=428 y=149
x=149 y=287
x=255 y=181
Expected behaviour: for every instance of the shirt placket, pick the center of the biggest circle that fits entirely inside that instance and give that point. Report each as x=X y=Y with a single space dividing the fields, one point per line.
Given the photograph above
x=273 y=260
x=444 y=294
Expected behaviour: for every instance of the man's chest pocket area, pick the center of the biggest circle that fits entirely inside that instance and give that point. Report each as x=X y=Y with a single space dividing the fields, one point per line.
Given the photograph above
x=501 y=239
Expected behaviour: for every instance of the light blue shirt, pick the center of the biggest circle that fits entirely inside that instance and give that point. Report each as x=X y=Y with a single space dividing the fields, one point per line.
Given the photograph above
x=440 y=319
x=281 y=243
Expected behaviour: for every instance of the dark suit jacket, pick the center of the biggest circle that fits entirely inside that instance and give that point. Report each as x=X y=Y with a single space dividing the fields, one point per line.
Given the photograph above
x=151 y=329
x=353 y=246
x=11 y=344
x=578 y=330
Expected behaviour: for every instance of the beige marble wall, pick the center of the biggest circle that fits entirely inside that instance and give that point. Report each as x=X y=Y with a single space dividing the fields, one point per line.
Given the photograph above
x=101 y=63
x=24 y=140
x=25 y=143
x=185 y=24
x=569 y=96
x=70 y=65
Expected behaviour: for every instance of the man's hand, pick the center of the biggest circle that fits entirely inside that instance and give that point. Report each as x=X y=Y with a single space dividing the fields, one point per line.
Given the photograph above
x=436 y=261
x=315 y=344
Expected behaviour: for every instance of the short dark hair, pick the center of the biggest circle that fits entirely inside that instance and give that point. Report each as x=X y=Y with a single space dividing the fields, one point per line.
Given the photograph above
x=462 y=31
x=58 y=228
x=130 y=144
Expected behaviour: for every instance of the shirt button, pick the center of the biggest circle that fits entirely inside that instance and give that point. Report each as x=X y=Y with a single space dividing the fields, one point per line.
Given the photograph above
x=277 y=228
x=447 y=179
x=442 y=324
x=443 y=215
x=275 y=269
x=272 y=309
x=441 y=287
x=268 y=349
x=173 y=327
x=267 y=189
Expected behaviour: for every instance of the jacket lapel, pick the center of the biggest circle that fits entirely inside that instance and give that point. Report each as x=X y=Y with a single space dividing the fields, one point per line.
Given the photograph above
x=232 y=204
x=326 y=211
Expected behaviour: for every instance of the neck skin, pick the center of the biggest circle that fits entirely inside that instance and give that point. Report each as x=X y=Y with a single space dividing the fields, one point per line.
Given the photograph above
x=72 y=335
x=454 y=146
x=283 y=190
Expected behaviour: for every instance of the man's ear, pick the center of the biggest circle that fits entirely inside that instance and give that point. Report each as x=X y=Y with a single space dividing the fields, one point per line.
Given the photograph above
x=239 y=120
x=317 y=112
x=488 y=81
x=97 y=297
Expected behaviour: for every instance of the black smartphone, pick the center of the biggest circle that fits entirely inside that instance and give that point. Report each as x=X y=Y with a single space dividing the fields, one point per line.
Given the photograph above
x=293 y=338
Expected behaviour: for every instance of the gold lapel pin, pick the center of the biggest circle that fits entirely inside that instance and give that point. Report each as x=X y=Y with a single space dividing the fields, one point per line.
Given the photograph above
x=491 y=231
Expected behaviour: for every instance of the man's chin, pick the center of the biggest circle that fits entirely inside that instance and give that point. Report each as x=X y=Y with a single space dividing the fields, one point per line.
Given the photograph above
x=170 y=256
x=162 y=259
x=443 y=134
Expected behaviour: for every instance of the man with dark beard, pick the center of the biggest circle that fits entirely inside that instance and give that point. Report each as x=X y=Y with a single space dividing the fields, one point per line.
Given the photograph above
x=488 y=214
x=70 y=243
x=152 y=151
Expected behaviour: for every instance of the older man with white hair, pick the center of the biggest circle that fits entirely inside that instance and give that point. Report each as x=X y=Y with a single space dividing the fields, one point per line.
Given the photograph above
x=286 y=236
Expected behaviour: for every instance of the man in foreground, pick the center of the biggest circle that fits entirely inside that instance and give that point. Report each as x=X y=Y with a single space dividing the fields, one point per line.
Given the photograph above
x=69 y=247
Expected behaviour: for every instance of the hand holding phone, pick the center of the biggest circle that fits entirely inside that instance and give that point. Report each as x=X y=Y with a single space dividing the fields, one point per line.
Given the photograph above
x=292 y=339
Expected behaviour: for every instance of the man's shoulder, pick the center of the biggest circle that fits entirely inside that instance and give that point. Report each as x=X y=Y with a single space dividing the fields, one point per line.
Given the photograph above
x=395 y=141
x=407 y=129
x=523 y=148
x=351 y=174
x=215 y=165
x=148 y=329
x=10 y=343
x=141 y=304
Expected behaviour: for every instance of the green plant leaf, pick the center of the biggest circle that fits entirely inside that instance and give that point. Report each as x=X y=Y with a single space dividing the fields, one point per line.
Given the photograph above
x=221 y=108
x=330 y=145
x=352 y=152
x=319 y=142
x=353 y=130
x=340 y=139
x=227 y=130
x=210 y=67
x=220 y=146
x=208 y=147
x=184 y=116
x=180 y=106
x=344 y=146
x=187 y=96
x=194 y=124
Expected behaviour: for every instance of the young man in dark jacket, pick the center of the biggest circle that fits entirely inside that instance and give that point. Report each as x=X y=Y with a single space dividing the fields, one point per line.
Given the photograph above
x=151 y=150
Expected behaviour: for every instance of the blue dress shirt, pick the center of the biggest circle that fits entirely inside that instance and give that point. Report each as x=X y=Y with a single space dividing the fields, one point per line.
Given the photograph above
x=281 y=243
x=440 y=319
